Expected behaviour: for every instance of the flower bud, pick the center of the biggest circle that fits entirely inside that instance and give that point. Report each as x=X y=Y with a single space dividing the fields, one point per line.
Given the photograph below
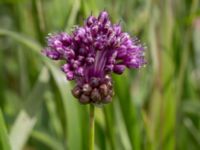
x=76 y=91
x=95 y=95
x=103 y=89
x=84 y=99
x=87 y=89
x=103 y=17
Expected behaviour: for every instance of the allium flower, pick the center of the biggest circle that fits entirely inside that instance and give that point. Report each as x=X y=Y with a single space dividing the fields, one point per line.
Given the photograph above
x=91 y=53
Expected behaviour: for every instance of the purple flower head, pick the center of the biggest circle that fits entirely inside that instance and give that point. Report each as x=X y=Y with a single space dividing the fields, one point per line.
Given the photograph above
x=91 y=53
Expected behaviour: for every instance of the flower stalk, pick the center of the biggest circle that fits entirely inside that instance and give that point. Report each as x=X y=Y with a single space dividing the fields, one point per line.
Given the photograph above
x=92 y=127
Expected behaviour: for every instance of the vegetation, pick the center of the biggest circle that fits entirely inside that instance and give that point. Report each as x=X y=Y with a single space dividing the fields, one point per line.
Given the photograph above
x=156 y=108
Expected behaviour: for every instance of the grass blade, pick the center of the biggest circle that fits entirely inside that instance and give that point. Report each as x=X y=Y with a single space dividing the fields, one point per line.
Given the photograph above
x=27 y=117
x=4 y=141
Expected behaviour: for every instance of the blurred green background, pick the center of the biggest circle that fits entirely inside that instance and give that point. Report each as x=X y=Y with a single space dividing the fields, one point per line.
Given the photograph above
x=154 y=108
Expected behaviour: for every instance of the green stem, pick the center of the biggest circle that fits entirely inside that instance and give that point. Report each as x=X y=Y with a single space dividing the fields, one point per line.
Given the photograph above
x=92 y=127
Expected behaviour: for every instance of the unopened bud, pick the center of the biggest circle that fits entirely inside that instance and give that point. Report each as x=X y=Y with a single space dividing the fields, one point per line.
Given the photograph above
x=86 y=89
x=95 y=95
x=94 y=82
x=84 y=99
x=103 y=89
x=76 y=91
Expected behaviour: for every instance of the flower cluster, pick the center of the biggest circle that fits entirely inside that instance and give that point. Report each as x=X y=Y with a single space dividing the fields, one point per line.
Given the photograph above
x=91 y=53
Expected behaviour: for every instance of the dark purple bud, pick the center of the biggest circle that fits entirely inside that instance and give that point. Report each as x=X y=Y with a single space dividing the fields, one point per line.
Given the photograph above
x=60 y=50
x=65 y=68
x=84 y=99
x=111 y=38
x=103 y=17
x=103 y=89
x=54 y=41
x=107 y=29
x=117 y=29
x=66 y=39
x=90 y=20
x=79 y=71
x=76 y=91
x=87 y=89
x=76 y=64
x=95 y=95
x=68 y=53
x=70 y=75
x=122 y=52
x=133 y=63
x=124 y=37
x=119 y=69
x=94 y=30
x=52 y=54
x=98 y=45
x=109 y=68
x=79 y=34
x=128 y=43
x=94 y=82
x=57 y=43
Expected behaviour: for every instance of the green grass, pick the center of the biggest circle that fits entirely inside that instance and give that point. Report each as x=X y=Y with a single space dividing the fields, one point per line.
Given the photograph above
x=154 y=108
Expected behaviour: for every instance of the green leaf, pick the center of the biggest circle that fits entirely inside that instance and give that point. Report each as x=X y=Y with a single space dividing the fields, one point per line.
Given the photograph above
x=73 y=14
x=22 y=39
x=4 y=141
x=192 y=130
x=26 y=119
x=71 y=109
x=128 y=110
x=47 y=140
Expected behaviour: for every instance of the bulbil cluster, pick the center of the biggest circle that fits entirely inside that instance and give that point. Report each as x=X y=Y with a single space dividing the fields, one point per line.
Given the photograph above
x=97 y=90
x=91 y=53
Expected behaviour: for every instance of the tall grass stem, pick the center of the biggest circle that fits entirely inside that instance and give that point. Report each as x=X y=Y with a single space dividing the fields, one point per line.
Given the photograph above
x=92 y=127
